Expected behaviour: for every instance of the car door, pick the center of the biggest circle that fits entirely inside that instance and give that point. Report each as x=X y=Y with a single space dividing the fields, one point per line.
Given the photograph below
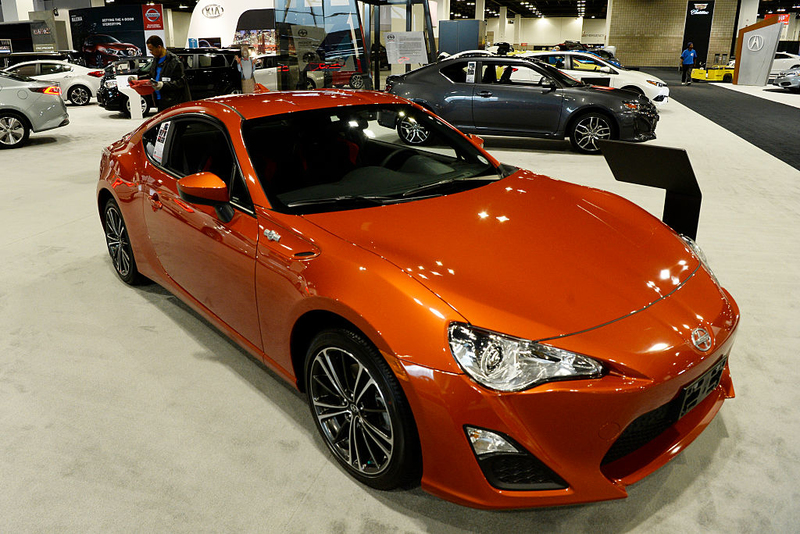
x=209 y=252
x=453 y=85
x=515 y=97
x=56 y=72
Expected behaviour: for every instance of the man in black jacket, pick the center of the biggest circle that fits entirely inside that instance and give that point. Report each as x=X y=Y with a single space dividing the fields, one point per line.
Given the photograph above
x=167 y=75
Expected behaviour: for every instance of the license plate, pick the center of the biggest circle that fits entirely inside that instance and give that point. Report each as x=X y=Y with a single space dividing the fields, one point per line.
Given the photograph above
x=697 y=391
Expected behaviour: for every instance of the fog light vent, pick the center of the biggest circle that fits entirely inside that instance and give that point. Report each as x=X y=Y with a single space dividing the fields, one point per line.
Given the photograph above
x=507 y=465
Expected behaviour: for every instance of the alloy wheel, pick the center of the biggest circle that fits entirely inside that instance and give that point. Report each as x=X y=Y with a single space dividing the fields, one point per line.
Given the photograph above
x=119 y=246
x=589 y=130
x=351 y=411
x=12 y=131
x=412 y=132
x=79 y=96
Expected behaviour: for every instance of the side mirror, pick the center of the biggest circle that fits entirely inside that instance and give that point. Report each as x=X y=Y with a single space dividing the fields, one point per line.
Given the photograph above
x=476 y=140
x=203 y=188
x=607 y=70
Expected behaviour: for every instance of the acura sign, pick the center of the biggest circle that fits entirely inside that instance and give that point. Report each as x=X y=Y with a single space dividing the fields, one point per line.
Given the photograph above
x=755 y=43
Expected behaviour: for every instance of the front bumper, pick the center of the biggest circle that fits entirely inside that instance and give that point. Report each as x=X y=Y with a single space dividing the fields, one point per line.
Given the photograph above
x=571 y=426
x=639 y=125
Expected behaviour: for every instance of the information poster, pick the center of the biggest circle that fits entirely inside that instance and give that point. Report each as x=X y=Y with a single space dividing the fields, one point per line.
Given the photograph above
x=406 y=47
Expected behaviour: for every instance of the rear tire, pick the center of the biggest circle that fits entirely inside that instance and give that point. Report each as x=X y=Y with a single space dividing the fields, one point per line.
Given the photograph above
x=79 y=95
x=14 y=130
x=357 y=81
x=727 y=78
x=413 y=133
x=119 y=244
x=144 y=103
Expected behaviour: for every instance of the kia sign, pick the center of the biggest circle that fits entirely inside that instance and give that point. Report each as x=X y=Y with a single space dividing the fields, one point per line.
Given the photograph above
x=212 y=11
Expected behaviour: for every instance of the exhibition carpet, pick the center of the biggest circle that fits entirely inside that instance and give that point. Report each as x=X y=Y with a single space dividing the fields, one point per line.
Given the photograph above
x=768 y=125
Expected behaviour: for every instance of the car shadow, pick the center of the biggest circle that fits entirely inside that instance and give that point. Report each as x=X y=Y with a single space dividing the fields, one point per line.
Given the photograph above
x=526 y=143
x=646 y=499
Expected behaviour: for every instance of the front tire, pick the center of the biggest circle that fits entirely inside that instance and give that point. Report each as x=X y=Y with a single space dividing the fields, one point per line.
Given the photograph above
x=79 y=95
x=587 y=130
x=360 y=410
x=119 y=244
x=14 y=130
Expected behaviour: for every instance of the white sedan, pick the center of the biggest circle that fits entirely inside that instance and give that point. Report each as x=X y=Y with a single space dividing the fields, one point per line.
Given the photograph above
x=594 y=70
x=78 y=84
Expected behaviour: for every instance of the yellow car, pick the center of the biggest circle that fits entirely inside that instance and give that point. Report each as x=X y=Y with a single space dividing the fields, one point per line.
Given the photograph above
x=717 y=73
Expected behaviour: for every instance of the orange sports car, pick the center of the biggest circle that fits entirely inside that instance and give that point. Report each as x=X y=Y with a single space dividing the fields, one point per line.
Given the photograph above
x=505 y=339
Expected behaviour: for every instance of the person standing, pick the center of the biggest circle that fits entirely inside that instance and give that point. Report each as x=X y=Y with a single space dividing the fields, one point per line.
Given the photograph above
x=688 y=59
x=247 y=70
x=167 y=75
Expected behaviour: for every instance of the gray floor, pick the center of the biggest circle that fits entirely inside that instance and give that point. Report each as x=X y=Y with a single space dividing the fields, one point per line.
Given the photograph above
x=121 y=410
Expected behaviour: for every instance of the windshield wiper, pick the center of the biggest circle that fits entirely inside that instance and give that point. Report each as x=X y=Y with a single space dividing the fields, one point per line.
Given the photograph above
x=375 y=200
x=458 y=178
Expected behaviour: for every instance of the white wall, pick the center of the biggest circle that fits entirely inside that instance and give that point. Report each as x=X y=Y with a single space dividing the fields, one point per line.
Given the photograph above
x=179 y=32
x=545 y=31
x=594 y=31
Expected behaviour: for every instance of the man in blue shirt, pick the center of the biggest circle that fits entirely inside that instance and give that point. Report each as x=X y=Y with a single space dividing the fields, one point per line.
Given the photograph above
x=167 y=75
x=688 y=59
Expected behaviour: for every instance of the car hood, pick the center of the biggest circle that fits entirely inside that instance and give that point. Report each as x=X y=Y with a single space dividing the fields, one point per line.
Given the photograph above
x=527 y=255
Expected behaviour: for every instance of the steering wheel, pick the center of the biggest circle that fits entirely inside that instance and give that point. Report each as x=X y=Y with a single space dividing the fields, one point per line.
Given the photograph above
x=393 y=155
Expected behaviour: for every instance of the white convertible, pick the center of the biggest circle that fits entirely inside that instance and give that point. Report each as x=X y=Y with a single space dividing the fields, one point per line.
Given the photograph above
x=594 y=70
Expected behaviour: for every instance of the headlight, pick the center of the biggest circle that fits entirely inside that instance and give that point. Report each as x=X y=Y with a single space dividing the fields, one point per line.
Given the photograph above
x=110 y=83
x=697 y=251
x=507 y=363
x=632 y=104
x=657 y=84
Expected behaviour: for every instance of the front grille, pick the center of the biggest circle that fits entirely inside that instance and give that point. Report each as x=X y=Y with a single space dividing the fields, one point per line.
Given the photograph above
x=649 y=426
x=519 y=472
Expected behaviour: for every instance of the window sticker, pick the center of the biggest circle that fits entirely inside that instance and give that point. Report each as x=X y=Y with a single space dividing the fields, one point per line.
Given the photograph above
x=471 y=66
x=158 y=154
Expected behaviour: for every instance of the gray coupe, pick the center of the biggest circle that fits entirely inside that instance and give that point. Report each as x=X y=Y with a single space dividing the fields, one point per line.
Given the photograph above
x=28 y=105
x=522 y=97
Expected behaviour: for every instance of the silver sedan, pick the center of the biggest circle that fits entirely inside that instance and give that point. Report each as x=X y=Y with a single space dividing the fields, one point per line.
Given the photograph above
x=789 y=79
x=27 y=106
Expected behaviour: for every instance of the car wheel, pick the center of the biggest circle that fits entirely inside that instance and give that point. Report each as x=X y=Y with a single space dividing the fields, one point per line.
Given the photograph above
x=98 y=60
x=144 y=103
x=310 y=84
x=357 y=81
x=14 y=130
x=119 y=244
x=413 y=133
x=727 y=78
x=587 y=130
x=360 y=410
x=79 y=95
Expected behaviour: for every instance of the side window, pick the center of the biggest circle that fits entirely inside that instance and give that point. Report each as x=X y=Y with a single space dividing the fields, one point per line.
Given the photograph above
x=456 y=73
x=585 y=63
x=53 y=68
x=200 y=146
x=211 y=60
x=559 y=61
x=188 y=61
x=520 y=75
x=781 y=56
x=489 y=72
x=154 y=141
x=26 y=70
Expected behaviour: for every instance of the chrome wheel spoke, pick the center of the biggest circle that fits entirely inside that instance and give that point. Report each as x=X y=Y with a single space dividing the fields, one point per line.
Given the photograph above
x=378 y=437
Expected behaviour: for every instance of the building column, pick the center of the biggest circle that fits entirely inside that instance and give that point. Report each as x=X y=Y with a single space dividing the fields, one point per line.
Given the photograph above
x=517 y=29
x=748 y=14
x=480 y=9
x=14 y=10
x=502 y=29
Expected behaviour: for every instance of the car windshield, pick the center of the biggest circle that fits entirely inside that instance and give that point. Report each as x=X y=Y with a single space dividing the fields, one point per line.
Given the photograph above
x=352 y=157
x=564 y=79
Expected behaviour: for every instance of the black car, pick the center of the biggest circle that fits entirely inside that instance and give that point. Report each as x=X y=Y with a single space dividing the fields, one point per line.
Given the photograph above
x=110 y=97
x=522 y=97
x=209 y=72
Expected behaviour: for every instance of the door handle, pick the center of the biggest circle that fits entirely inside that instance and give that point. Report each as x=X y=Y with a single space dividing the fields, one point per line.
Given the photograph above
x=485 y=94
x=155 y=202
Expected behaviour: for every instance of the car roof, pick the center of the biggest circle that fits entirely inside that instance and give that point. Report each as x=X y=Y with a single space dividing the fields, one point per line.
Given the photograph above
x=39 y=61
x=257 y=105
